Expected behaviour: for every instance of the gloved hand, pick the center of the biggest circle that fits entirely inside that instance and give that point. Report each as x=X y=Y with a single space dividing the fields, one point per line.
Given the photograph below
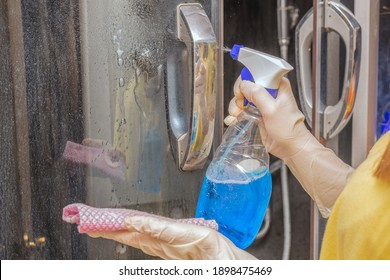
x=172 y=240
x=321 y=173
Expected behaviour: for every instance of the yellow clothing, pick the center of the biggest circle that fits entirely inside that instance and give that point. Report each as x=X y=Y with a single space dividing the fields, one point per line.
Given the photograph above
x=359 y=225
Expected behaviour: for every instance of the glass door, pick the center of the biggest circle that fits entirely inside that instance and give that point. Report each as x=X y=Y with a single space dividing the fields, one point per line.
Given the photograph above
x=95 y=112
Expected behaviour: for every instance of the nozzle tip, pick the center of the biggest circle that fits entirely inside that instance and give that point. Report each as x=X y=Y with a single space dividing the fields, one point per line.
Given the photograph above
x=235 y=51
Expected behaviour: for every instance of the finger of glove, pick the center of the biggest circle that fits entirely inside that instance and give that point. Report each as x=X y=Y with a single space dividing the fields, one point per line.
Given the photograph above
x=238 y=97
x=271 y=107
x=229 y=120
x=285 y=86
x=258 y=95
x=236 y=88
x=123 y=236
x=285 y=96
x=137 y=240
x=152 y=246
x=168 y=231
x=235 y=106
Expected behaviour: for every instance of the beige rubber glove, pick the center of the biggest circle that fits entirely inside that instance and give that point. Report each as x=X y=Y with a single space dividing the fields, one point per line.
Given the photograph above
x=320 y=171
x=175 y=241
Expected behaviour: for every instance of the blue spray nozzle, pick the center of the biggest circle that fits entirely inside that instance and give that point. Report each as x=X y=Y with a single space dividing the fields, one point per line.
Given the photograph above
x=235 y=51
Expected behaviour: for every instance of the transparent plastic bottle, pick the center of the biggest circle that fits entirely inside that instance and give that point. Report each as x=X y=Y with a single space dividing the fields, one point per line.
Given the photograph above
x=238 y=185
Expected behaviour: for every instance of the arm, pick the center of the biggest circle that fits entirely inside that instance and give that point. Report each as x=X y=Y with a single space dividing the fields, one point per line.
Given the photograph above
x=322 y=174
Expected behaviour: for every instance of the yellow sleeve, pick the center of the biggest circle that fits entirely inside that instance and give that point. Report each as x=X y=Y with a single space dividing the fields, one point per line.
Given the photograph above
x=359 y=225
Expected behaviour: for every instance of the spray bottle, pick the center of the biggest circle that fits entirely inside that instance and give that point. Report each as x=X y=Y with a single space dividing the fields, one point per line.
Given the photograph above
x=238 y=185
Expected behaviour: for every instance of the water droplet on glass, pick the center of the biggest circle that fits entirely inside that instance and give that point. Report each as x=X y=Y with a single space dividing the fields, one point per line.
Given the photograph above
x=121 y=82
x=120 y=249
x=123 y=121
x=119 y=52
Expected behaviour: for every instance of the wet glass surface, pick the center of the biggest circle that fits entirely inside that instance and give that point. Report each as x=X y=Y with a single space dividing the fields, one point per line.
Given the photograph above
x=84 y=120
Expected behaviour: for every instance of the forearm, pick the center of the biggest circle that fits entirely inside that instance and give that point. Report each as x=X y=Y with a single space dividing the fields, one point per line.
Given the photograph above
x=321 y=173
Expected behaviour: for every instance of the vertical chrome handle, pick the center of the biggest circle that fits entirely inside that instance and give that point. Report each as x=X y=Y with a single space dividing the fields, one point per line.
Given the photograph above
x=191 y=88
x=339 y=19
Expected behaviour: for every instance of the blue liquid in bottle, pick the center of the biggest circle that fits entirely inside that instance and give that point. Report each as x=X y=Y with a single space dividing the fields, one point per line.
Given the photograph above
x=238 y=203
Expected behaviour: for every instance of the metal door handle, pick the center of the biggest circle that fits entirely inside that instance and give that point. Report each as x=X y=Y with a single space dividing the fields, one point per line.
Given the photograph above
x=340 y=20
x=191 y=87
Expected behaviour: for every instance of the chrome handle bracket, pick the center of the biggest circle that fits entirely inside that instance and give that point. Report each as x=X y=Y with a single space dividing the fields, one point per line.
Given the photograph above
x=339 y=19
x=191 y=87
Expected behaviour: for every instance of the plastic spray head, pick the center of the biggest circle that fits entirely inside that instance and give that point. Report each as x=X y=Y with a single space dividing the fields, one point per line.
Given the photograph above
x=263 y=69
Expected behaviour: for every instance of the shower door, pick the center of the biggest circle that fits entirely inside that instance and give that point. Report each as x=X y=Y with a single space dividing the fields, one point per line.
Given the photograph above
x=134 y=79
x=104 y=105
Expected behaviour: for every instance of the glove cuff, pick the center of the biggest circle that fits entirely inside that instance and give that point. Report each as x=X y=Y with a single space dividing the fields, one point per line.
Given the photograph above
x=321 y=173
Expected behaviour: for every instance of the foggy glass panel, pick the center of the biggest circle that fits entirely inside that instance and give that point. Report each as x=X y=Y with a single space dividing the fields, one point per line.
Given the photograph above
x=84 y=121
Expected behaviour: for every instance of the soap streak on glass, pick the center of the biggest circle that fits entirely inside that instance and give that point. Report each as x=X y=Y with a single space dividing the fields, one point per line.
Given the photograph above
x=116 y=40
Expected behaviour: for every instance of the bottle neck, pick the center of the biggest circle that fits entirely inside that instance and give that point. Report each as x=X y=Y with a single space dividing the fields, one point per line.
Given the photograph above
x=252 y=110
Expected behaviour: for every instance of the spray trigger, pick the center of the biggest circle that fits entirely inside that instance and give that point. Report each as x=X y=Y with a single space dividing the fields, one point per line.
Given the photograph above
x=246 y=76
